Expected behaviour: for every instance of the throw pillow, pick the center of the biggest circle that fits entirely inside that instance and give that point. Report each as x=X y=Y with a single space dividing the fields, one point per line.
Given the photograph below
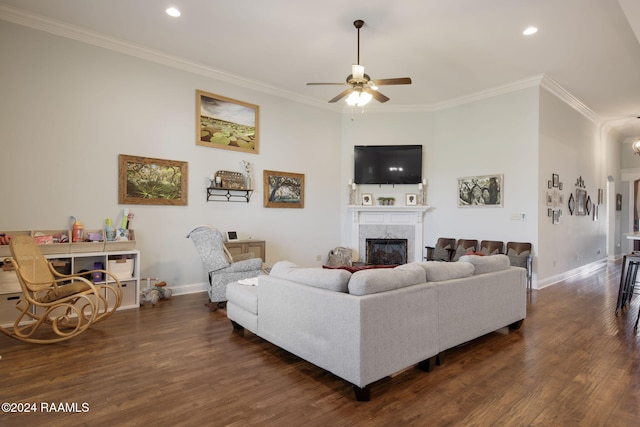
x=518 y=260
x=333 y=280
x=485 y=251
x=373 y=281
x=440 y=254
x=436 y=271
x=487 y=264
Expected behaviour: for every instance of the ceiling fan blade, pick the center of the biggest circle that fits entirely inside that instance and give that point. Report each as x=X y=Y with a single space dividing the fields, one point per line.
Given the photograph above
x=377 y=95
x=316 y=84
x=396 y=81
x=341 y=95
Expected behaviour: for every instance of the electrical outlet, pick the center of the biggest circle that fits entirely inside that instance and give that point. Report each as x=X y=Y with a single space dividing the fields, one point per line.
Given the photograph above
x=515 y=217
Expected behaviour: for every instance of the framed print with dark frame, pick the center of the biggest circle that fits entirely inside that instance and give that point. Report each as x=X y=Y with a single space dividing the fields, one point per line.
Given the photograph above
x=481 y=191
x=283 y=189
x=581 y=202
x=148 y=181
x=226 y=123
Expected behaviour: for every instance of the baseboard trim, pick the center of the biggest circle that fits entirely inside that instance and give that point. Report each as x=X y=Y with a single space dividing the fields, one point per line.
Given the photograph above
x=193 y=288
x=585 y=269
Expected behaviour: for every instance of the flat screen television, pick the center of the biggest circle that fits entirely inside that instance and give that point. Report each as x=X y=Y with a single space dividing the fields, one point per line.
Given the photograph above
x=387 y=164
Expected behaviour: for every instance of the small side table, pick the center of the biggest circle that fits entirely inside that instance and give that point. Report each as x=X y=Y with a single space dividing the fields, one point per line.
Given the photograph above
x=630 y=264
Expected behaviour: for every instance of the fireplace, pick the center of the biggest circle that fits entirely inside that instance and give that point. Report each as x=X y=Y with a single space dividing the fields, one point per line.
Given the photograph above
x=386 y=251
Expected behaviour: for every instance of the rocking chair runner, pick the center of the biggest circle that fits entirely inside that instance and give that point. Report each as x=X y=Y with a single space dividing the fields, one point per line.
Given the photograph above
x=55 y=307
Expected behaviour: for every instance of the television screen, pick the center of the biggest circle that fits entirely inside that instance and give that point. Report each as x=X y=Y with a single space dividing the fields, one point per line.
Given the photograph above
x=387 y=164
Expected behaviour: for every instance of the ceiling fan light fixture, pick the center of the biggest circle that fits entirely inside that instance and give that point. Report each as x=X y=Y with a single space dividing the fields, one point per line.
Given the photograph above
x=357 y=72
x=358 y=99
x=636 y=147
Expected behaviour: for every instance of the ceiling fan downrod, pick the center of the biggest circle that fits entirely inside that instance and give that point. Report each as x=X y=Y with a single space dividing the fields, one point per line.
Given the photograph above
x=358 y=23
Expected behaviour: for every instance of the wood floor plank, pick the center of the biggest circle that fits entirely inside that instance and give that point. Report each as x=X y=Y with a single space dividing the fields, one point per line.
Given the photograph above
x=573 y=362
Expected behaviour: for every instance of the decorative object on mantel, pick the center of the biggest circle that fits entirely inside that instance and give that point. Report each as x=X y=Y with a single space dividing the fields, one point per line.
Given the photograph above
x=226 y=123
x=386 y=201
x=422 y=192
x=353 y=192
x=367 y=199
x=411 y=199
x=480 y=191
x=283 y=189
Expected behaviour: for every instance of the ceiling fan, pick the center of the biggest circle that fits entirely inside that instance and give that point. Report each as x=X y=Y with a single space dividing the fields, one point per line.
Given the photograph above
x=361 y=87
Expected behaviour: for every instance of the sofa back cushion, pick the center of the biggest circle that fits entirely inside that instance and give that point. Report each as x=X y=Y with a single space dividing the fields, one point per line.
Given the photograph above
x=436 y=271
x=333 y=280
x=487 y=264
x=367 y=282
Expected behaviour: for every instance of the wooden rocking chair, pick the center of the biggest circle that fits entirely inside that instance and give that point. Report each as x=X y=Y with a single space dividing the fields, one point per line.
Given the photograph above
x=55 y=307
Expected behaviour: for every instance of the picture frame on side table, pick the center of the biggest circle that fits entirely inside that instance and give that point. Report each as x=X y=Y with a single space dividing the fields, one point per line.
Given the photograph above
x=148 y=181
x=232 y=236
x=367 y=199
x=226 y=123
x=283 y=189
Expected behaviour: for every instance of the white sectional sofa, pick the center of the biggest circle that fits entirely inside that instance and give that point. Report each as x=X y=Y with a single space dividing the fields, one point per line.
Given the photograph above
x=367 y=325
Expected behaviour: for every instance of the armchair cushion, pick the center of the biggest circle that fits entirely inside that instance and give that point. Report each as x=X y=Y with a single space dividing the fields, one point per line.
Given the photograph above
x=441 y=254
x=243 y=265
x=518 y=259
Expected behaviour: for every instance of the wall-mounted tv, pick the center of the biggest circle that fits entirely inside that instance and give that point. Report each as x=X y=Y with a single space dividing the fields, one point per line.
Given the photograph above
x=387 y=164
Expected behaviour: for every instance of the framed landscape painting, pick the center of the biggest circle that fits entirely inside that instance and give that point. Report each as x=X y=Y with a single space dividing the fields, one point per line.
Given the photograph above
x=226 y=123
x=480 y=191
x=147 y=181
x=283 y=189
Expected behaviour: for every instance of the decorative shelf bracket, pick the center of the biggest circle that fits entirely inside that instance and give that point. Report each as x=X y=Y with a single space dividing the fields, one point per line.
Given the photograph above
x=215 y=194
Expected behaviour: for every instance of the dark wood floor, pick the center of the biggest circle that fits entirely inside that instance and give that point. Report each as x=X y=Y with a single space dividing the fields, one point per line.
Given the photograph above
x=573 y=363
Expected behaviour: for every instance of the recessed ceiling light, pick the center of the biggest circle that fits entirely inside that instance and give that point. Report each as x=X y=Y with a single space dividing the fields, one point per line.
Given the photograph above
x=172 y=11
x=529 y=31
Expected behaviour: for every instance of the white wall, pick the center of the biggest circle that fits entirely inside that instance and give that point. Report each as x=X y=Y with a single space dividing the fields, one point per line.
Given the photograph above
x=68 y=109
x=570 y=146
x=492 y=136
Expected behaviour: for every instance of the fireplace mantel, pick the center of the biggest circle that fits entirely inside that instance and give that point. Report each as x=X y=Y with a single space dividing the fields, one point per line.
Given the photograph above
x=388 y=217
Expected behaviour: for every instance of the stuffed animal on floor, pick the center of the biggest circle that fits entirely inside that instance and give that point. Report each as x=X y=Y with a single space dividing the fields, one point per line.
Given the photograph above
x=155 y=294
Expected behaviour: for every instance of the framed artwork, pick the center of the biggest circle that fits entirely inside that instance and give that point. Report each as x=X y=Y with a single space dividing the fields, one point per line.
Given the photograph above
x=549 y=184
x=588 y=205
x=571 y=204
x=226 y=123
x=232 y=236
x=367 y=199
x=556 y=217
x=600 y=196
x=411 y=199
x=581 y=202
x=480 y=191
x=556 y=179
x=148 y=181
x=618 y=202
x=283 y=189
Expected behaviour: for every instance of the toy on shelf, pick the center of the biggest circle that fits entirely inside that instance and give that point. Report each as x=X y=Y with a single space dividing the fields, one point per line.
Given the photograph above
x=153 y=294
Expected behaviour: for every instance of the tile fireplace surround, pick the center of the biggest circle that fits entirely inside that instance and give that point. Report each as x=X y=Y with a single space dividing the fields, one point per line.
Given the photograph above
x=388 y=222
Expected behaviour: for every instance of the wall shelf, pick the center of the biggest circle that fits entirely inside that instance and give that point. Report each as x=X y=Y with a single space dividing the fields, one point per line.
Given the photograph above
x=216 y=194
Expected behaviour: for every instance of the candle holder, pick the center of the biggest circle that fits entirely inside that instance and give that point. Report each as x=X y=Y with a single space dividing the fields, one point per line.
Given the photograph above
x=353 y=194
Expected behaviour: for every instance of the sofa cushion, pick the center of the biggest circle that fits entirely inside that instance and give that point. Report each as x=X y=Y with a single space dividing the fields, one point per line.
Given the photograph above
x=486 y=264
x=354 y=268
x=440 y=271
x=244 y=296
x=373 y=281
x=333 y=280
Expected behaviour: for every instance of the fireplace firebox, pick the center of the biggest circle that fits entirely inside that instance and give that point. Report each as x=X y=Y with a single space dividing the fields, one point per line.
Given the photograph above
x=386 y=251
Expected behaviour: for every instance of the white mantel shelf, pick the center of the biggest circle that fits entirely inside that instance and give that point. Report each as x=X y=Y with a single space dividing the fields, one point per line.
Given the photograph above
x=418 y=208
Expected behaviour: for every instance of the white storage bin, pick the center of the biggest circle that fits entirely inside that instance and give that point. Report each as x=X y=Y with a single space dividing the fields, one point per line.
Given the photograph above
x=122 y=268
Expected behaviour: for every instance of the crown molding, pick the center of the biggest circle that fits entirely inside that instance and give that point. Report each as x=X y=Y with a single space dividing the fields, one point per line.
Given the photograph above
x=27 y=19
x=30 y=20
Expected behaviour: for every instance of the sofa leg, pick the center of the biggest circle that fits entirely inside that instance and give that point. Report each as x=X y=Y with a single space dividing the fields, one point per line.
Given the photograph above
x=516 y=325
x=237 y=326
x=363 y=394
x=427 y=365
x=440 y=359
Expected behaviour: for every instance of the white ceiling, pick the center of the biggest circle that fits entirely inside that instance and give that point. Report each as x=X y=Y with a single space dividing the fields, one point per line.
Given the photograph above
x=451 y=49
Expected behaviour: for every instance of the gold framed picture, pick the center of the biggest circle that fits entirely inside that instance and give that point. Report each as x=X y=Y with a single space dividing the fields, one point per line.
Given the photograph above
x=148 y=181
x=226 y=123
x=283 y=189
